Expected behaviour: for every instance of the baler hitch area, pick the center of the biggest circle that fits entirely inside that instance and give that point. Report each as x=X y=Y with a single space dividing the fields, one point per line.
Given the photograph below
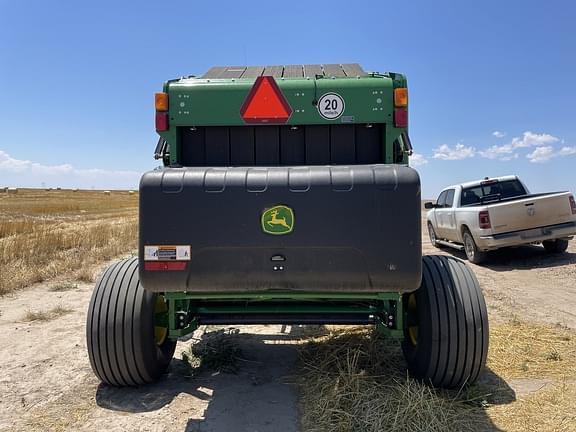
x=187 y=311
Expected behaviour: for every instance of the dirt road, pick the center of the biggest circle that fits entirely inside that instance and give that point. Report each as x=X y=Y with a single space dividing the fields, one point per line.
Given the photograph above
x=46 y=382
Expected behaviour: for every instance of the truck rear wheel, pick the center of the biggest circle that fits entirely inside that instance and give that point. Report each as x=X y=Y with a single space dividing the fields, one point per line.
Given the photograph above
x=473 y=254
x=126 y=328
x=555 y=246
x=446 y=331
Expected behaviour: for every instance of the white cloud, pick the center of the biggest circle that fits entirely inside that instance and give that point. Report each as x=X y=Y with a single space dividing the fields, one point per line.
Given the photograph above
x=541 y=154
x=530 y=139
x=567 y=151
x=504 y=152
x=417 y=160
x=25 y=173
x=458 y=152
x=508 y=151
x=542 y=144
x=545 y=153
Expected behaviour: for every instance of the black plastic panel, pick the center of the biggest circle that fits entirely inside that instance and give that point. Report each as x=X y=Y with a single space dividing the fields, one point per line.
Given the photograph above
x=317 y=143
x=267 y=144
x=242 y=152
x=356 y=228
x=282 y=145
x=217 y=146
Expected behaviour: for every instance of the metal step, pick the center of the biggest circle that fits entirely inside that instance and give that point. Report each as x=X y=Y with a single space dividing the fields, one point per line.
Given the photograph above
x=450 y=244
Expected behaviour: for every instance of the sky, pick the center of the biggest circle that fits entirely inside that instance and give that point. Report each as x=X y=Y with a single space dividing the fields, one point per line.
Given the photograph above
x=492 y=84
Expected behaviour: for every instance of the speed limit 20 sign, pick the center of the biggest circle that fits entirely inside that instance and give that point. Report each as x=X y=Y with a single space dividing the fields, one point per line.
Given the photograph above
x=331 y=106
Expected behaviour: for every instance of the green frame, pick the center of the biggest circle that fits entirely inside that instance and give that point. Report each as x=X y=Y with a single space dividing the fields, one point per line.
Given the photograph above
x=184 y=306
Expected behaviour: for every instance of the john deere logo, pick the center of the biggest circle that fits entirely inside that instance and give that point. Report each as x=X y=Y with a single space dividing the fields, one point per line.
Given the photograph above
x=278 y=220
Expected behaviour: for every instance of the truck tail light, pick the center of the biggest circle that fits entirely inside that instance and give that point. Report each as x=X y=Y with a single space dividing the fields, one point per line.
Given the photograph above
x=161 y=121
x=484 y=220
x=487 y=182
x=401 y=97
x=400 y=117
x=572 y=204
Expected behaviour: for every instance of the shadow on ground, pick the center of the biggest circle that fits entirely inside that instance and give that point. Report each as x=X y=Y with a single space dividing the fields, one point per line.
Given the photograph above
x=520 y=258
x=262 y=395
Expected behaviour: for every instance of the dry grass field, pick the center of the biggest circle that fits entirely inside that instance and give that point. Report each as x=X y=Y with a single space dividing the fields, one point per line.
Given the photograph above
x=47 y=233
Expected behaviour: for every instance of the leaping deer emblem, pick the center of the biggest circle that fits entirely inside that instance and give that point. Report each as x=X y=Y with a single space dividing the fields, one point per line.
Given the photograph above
x=276 y=220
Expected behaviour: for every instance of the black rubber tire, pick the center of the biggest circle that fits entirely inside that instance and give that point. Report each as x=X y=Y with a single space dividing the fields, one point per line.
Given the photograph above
x=473 y=254
x=120 y=329
x=432 y=235
x=555 y=246
x=452 y=342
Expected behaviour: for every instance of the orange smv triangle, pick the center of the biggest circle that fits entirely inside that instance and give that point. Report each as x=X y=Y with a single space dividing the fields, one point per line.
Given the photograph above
x=265 y=103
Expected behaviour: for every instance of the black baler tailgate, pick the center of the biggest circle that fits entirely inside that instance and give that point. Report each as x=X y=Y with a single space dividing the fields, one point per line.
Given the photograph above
x=354 y=229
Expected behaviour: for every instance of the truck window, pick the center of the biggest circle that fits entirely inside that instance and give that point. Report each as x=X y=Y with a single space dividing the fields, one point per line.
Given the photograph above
x=449 y=199
x=493 y=191
x=441 y=200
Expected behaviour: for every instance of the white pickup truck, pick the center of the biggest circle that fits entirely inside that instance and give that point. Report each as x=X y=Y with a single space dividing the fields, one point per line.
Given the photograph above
x=493 y=213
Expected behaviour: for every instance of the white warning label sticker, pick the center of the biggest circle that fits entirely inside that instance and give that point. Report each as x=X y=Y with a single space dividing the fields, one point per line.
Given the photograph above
x=331 y=106
x=167 y=253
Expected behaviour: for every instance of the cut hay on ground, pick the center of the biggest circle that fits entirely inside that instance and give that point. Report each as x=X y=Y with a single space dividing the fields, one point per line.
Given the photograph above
x=354 y=381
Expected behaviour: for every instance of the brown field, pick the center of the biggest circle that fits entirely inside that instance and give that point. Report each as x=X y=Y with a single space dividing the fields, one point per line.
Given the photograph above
x=44 y=234
x=266 y=378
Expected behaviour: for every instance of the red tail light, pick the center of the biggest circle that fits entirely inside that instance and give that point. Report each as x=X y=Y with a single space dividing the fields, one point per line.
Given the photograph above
x=572 y=204
x=165 y=265
x=484 y=220
x=400 y=117
x=161 y=121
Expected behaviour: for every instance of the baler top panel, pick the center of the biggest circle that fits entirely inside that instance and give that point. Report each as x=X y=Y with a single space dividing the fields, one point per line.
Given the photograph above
x=289 y=71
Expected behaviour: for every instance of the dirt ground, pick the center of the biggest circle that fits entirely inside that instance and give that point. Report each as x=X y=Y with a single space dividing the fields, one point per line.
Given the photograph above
x=46 y=382
x=525 y=282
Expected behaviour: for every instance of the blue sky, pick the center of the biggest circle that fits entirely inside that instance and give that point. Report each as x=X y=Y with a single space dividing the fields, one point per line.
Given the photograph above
x=492 y=84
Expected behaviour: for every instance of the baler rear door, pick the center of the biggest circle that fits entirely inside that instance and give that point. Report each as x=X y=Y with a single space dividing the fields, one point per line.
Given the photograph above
x=306 y=229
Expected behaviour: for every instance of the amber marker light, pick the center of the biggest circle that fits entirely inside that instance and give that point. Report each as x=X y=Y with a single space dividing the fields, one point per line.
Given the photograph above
x=161 y=101
x=401 y=97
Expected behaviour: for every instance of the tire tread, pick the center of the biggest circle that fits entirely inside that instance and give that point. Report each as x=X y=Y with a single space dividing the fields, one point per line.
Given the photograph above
x=455 y=354
x=120 y=329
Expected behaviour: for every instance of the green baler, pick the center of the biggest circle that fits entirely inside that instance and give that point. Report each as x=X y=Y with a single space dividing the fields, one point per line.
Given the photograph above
x=285 y=197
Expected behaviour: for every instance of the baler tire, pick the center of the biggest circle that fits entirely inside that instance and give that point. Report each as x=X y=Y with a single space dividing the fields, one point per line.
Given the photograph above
x=120 y=329
x=555 y=246
x=452 y=322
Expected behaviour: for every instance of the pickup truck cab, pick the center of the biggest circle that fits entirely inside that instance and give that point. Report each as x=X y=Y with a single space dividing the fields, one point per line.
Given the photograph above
x=493 y=213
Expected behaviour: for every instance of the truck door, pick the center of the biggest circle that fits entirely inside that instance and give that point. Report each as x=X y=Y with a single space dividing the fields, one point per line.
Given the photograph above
x=449 y=214
x=439 y=215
